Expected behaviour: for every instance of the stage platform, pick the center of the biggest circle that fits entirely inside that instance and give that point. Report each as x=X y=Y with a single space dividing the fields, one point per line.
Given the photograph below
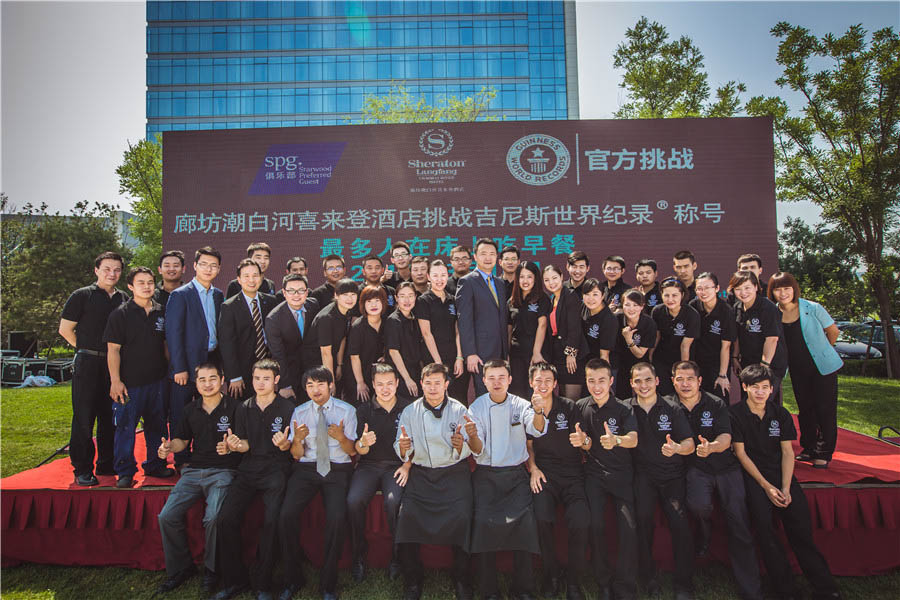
x=855 y=506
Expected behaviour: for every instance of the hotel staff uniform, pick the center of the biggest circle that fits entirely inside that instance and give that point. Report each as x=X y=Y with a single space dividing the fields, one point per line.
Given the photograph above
x=391 y=295
x=613 y=295
x=610 y=473
x=368 y=344
x=524 y=322
x=326 y=468
x=720 y=473
x=762 y=320
x=436 y=507
x=441 y=315
x=579 y=289
x=716 y=326
x=652 y=298
x=324 y=294
x=142 y=369
x=161 y=296
x=375 y=471
x=600 y=331
x=403 y=335
x=672 y=331
x=659 y=476
x=207 y=476
x=562 y=466
x=762 y=442
x=564 y=331
x=90 y=308
x=504 y=514
x=266 y=287
x=621 y=358
x=330 y=328
x=263 y=468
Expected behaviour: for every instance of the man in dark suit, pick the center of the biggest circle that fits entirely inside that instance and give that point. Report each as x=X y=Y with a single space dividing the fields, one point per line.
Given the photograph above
x=242 y=336
x=481 y=313
x=286 y=331
x=261 y=254
x=191 y=335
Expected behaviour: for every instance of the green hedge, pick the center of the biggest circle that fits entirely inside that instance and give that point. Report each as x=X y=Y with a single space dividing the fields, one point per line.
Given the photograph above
x=875 y=367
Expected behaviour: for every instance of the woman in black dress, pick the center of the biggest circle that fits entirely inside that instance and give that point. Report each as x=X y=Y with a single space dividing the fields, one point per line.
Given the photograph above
x=567 y=344
x=529 y=311
x=365 y=344
x=637 y=336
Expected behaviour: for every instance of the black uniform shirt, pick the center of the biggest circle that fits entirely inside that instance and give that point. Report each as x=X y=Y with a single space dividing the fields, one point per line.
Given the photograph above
x=600 y=331
x=762 y=437
x=613 y=295
x=710 y=418
x=257 y=427
x=403 y=335
x=553 y=452
x=645 y=336
x=524 y=321
x=672 y=330
x=442 y=317
x=716 y=326
x=329 y=328
x=578 y=290
x=368 y=344
x=90 y=308
x=324 y=294
x=207 y=430
x=652 y=298
x=384 y=424
x=161 y=296
x=690 y=291
x=452 y=284
x=142 y=336
x=665 y=418
x=394 y=280
x=753 y=327
x=613 y=464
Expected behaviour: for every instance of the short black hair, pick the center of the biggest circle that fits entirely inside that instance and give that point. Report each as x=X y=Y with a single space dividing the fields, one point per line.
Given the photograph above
x=207 y=365
x=135 y=271
x=267 y=364
x=384 y=367
x=345 y=286
x=255 y=246
x=294 y=277
x=577 y=255
x=109 y=256
x=686 y=365
x=247 y=262
x=433 y=368
x=756 y=374
x=646 y=262
x=683 y=254
x=172 y=253
x=208 y=251
x=484 y=240
x=332 y=257
x=597 y=364
x=320 y=374
x=374 y=257
x=616 y=259
x=542 y=366
x=512 y=249
x=642 y=365
x=496 y=363
x=295 y=259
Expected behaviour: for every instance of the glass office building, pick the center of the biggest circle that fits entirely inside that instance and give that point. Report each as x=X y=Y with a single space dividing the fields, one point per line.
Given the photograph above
x=234 y=64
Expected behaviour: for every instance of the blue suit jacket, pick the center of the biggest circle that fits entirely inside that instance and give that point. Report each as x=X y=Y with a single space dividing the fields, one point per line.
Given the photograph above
x=482 y=324
x=186 y=333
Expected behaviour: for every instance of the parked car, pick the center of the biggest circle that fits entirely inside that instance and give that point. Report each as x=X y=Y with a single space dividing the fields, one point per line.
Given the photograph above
x=848 y=346
x=863 y=331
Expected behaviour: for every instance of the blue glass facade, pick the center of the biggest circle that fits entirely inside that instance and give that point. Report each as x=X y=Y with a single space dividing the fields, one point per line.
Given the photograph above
x=224 y=65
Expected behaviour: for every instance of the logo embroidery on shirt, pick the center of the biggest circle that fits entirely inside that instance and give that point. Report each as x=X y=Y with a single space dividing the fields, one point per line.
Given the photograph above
x=561 y=422
x=636 y=338
x=160 y=324
x=706 y=419
x=679 y=330
x=594 y=331
x=533 y=307
x=716 y=327
x=276 y=425
x=451 y=308
x=613 y=426
x=754 y=326
x=223 y=425
x=663 y=423
x=774 y=428
x=652 y=300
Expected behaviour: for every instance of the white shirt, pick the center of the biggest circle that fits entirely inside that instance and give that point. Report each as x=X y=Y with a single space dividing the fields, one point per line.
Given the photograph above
x=502 y=427
x=335 y=412
x=430 y=436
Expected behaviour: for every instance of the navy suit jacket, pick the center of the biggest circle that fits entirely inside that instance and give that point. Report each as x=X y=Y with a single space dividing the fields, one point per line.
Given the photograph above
x=482 y=323
x=186 y=333
x=287 y=347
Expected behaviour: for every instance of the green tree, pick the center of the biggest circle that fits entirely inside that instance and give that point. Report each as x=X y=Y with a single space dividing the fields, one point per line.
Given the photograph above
x=841 y=151
x=398 y=106
x=45 y=258
x=140 y=177
x=665 y=79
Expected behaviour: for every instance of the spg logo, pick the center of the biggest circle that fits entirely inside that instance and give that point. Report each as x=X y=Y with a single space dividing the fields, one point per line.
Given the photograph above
x=538 y=159
x=282 y=163
x=436 y=142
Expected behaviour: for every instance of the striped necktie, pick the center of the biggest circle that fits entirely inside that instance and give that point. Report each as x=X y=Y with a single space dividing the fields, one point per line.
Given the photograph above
x=261 y=351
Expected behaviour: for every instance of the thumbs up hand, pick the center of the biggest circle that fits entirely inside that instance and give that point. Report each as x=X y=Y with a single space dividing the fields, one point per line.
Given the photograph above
x=456 y=440
x=404 y=442
x=300 y=431
x=670 y=448
x=471 y=428
x=368 y=437
x=164 y=449
x=703 y=447
x=607 y=440
x=222 y=447
x=578 y=437
x=233 y=441
x=280 y=439
x=336 y=432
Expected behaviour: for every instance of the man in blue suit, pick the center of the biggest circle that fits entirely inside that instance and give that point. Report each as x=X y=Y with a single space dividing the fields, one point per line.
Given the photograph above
x=481 y=314
x=191 y=316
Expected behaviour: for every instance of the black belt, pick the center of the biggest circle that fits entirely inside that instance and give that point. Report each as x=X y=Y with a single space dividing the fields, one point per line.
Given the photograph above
x=91 y=352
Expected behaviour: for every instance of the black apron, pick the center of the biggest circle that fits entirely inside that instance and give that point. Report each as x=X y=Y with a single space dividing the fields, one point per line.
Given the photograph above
x=504 y=516
x=436 y=507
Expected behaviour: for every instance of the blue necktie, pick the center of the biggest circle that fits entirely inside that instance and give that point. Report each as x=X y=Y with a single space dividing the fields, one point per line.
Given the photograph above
x=300 y=321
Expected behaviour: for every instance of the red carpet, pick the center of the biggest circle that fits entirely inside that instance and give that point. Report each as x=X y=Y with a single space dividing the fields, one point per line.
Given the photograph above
x=855 y=506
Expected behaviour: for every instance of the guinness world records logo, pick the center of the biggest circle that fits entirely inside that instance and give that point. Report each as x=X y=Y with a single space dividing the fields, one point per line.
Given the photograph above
x=538 y=159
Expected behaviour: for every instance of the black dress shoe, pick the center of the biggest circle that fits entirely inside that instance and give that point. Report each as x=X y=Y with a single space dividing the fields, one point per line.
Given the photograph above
x=289 y=590
x=176 y=580
x=358 y=570
x=160 y=473
x=209 y=581
x=230 y=592
x=804 y=457
x=86 y=480
x=412 y=592
x=463 y=590
x=573 y=592
x=125 y=482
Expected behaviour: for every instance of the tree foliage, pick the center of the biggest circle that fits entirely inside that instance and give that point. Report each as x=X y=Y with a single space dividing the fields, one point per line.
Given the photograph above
x=399 y=106
x=140 y=177
x=666 y=79
x=841 y=151
x=45 y=258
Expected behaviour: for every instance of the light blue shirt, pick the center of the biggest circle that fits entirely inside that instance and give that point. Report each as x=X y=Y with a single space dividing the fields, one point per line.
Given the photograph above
x=814 y=319
x=209 y=311
x=335 y=412
x=502 y=428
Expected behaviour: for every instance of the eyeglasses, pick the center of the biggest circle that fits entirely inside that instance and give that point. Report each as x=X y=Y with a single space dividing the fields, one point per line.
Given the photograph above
x=460 y=259
x=704 y=288
x=208 y=265
x=333 y=269
x=613 y=269
x=294 y=292
x=400 y=254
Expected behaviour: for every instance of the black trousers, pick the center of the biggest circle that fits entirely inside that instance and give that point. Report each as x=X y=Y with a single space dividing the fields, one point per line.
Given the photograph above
x=368 y=478
x=414 y=572
x=708 y=383
x=729 y=487
x=798 y=528
x=597 y=489
x=817 y=407
x=90 y=403
x=519 y=386
x=302 y=486
x=459 y=386
x=570 y=492
x=671 y=495
x=522 y=576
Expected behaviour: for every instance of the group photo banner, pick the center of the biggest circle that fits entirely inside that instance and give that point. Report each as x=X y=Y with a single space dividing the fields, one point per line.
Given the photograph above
x=636 y=188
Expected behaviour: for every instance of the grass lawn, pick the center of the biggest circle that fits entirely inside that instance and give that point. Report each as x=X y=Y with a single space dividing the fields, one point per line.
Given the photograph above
x=35 y=422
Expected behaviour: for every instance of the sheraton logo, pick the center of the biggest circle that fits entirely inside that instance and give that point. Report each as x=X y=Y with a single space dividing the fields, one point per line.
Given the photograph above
x=538 y=159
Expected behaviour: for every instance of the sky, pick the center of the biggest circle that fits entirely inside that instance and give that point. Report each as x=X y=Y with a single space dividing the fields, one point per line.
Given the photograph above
x=72 y=78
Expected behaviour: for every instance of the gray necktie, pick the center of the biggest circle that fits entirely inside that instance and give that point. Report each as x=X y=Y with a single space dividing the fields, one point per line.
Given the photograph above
x=323 y=461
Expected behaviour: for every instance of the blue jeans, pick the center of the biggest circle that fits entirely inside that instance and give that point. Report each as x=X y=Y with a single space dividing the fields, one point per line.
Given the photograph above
x=144 y=401
x=179 y=397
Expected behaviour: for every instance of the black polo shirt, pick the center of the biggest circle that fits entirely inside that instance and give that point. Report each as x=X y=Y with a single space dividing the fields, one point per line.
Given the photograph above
x=600 y=331
x=645 y=336
x=524 y=322
x=690 y=291
x=324 y=294
x=614 y=465
x=442 y=318
x=207 y=430
x=613 y=295
x=161 y=296
x=90 y=308
x=753 y=327
x=257 y=427
x=653 y=298
x=716 y=326
x=577 y=289
x=452 y=284
x=762 y=437
x=404 y=335
x=142 y=336
x=672 y=331
x=368 y=344
x=665 y=418
x=329 y=328
x=710 y=418
x=553 y=452
x=384 y=424
x=394 y=280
